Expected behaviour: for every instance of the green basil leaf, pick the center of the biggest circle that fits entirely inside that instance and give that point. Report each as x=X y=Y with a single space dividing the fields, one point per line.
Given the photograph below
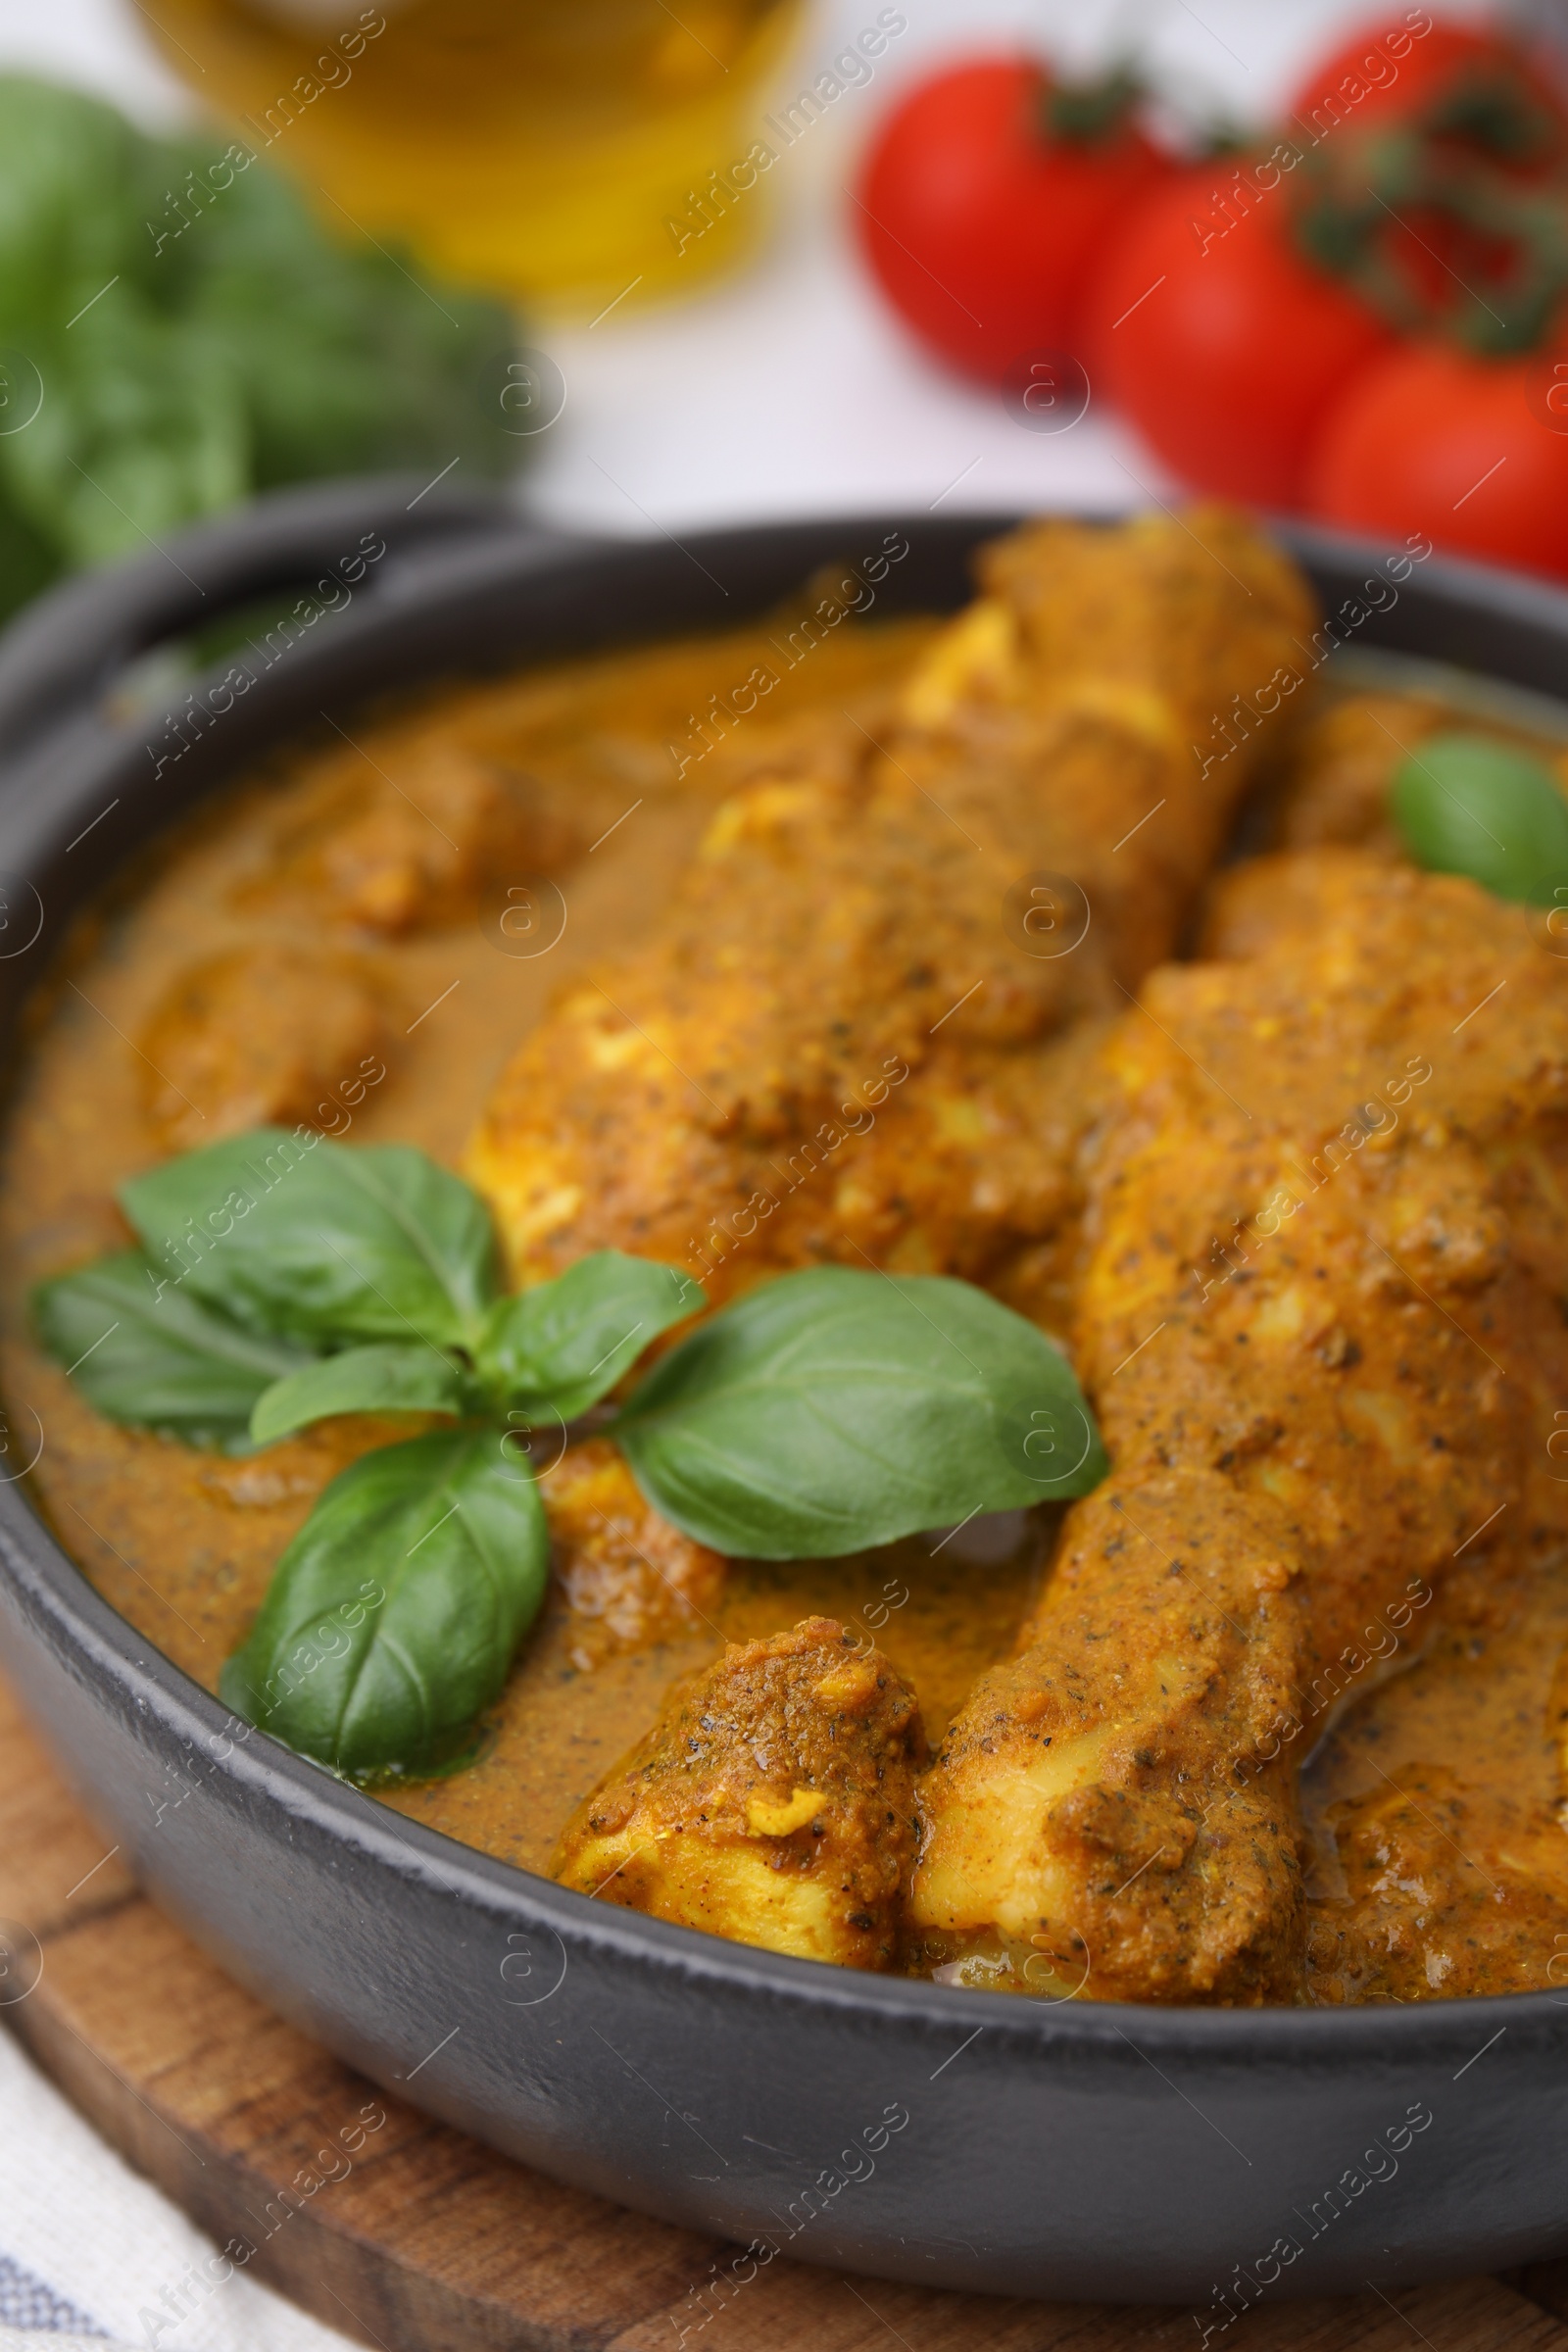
x=142 y=428
x=394 y=1615
x=385 y=1378
x=835 y=1409
x=287 y=1232
x=566 y=1342
x=1469 y=804
x=73 y=187
x=201 y=334
x=143 y=1351
x=28 y=561
x=351 y=361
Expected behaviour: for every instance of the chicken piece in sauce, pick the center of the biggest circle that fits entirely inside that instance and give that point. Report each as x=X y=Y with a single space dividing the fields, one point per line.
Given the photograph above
x=773 y=1803
x=630 y=1577
x=394 y=854
x=1066 y=1842
x=1333 y=791
x=264 y=1033
x=898 y=945
x=1333 y=788
x=1320 y=1318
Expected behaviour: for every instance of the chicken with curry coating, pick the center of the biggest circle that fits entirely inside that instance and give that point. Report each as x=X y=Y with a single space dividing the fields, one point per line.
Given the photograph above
x=898 y=943
x=773 y=1803
x=264 y=1035
x=1327 y=1241
x=629 y=1578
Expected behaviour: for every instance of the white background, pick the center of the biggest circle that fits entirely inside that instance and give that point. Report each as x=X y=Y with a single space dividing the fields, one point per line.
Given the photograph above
x=790 y=390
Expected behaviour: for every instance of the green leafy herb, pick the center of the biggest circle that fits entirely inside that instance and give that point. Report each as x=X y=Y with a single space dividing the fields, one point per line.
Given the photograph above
x=72 y=178
x=384 y=1379
x=392 y=1619
x=564 y=1343
x=1469 y=804
x=287 y=1232
x=141 y=416
x=28 y=561
x=285 y=1279
x=154 y=1356
x=835 y=1409
x=349 y=363
x=200 y=334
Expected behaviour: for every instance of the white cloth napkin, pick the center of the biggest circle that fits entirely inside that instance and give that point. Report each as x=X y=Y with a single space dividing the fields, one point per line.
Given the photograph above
x=92 y=2257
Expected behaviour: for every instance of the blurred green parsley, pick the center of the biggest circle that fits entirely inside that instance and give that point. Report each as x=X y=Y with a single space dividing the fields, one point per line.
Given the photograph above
x=178 y=330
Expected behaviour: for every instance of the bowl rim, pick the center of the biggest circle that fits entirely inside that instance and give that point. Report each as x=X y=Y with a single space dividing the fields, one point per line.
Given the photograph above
x=107 y=1650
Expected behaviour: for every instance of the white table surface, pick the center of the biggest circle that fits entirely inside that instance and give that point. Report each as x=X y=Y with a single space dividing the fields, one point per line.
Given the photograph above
x=786 y=392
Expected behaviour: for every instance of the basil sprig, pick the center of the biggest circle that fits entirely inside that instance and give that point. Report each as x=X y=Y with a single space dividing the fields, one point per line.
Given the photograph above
x=284 y=1279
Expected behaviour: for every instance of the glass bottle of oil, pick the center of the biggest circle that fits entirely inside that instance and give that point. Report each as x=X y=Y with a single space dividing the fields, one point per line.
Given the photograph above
x=540 y=148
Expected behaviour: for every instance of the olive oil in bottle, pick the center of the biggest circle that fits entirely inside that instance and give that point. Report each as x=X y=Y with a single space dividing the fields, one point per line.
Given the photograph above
x=538 y=148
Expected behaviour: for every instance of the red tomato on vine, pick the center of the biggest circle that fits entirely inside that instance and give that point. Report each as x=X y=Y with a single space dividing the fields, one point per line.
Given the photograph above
x=1221 y=342
x=985 y=202
x=1472 y=452
x=1370 y=317
x=1432 y=181
x=1457 y=80
x=1352 y=317
x=1440 y=195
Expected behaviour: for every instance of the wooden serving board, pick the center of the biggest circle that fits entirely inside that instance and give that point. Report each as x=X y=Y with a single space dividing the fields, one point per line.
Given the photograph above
x=431 y=2243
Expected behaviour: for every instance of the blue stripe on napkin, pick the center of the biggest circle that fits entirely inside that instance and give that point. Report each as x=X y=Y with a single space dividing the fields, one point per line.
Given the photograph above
x=28 y=2302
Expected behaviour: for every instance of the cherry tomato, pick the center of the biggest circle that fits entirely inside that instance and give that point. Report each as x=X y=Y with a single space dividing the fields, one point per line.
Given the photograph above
x=1460 y=81
x=1220 y=342
x=1466 y=450
x=1424 y=158
x=982 y=221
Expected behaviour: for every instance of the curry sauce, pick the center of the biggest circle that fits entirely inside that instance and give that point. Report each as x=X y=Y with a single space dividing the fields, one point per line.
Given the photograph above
x=182 y=1542
x=357 y=937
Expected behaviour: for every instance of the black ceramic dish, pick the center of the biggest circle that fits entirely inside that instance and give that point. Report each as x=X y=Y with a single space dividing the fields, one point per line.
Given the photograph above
x=1071 y=2151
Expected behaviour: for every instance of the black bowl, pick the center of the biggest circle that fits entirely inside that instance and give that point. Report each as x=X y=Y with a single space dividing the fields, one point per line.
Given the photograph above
x=953 y=2138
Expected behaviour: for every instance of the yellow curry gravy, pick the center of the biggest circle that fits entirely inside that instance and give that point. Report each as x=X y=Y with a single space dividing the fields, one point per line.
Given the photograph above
x=183 y=1542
